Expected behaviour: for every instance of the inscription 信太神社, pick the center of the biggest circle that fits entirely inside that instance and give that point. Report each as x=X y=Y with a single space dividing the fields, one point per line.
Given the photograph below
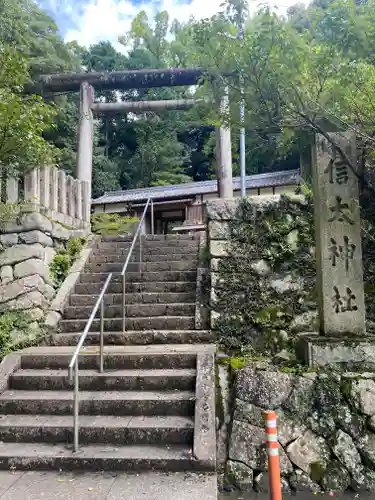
x=337 y=170
x=338 y=236
x=340 y=211
x=345 y=303
x=345 y=251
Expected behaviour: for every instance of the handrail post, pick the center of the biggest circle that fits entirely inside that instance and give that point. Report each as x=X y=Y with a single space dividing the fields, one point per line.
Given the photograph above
x=76 y=407
x=123 y=303
x=152 y=217
x=140 y=252
x=101 y=366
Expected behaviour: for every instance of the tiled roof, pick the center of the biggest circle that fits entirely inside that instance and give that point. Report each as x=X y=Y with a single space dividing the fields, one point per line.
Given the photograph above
x=286 y=177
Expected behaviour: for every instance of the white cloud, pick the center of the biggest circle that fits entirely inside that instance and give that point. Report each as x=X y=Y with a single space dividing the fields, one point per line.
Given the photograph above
x=109 y=19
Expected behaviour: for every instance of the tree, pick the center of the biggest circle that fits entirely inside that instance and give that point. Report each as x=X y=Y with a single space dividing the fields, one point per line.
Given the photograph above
x=23 y=120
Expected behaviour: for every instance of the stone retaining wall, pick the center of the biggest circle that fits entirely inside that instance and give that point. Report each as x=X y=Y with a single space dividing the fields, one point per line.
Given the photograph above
x=28 y=247
x=326 y=429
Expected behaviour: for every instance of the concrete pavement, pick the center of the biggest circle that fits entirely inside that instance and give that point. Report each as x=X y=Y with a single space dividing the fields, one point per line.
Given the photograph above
x=106 y=486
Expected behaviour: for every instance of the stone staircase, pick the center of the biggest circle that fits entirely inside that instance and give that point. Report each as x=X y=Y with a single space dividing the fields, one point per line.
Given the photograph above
x=153 y=407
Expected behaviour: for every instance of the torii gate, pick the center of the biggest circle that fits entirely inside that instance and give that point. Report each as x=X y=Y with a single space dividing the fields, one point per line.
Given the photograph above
x=126 y=80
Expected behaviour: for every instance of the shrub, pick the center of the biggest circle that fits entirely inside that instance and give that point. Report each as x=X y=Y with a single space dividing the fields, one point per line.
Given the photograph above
x=59 y=269
x=62 y=262
x=74 y=247
x=112 y=224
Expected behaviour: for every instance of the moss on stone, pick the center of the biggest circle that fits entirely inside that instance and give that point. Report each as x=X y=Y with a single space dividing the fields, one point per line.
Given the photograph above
x=253 y=311
x=317 y=471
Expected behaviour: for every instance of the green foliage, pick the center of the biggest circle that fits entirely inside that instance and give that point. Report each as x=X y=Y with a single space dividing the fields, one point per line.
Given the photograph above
x=253 y=314
x=62 y=262
x=112 y=224
x=10 y=321
x=59 y=269
x=74 y=247
x=17 y=331
x=238 y=362
x=23 y=119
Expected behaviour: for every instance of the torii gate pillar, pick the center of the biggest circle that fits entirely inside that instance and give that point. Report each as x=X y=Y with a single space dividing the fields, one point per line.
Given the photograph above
x=86 y=136
x=224 y=154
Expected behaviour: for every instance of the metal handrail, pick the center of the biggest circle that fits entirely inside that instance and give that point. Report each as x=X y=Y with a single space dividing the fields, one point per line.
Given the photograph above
x=136 y=235
x=73 y=365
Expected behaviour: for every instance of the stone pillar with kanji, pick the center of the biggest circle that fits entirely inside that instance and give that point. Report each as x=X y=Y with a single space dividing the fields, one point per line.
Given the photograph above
x=340 y=289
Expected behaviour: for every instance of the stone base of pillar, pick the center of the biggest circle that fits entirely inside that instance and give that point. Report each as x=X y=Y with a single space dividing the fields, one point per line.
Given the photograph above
x=351 y=353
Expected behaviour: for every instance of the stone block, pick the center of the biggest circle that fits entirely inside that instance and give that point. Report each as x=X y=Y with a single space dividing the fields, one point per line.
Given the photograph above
x=247 y=412
x=240 y=475
x=266 y=389
x=288 y=428
x=36 y=222
x=9 y=240
x=349 y=353
x=362 y=395
x=36 y=313
x=310 y=453
x=345 y=450
x=30 y=300
x=261 y=267
x=21 y=286
x=214 y=318
x=204 y=447
x=36 y=236
x=300 y=481
x=305 y=322
x=366 y=445
x=52 y=320
x=20 y=253
x=6 y=275
x=220 y=210
x=300 y=400
x=218 y=248
x=59 y=232
x=262 y=483
x=218 y=230
x=30 y=267
x=287 y=284
x=336 y=478
x=247 y=445
x=49 y=255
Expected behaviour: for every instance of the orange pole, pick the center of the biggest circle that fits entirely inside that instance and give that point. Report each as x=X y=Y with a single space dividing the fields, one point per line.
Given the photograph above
x=273 y=455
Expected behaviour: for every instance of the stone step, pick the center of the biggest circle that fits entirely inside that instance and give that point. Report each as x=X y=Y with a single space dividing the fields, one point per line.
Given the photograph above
x=190 y=250
x=140 y=337
x=150 y=246
x=136 y=287
x=140 y=276
x=152 y=237
x=115 y=324
x=44 y=456
x=116 y=403
x=146 y=257
x=141 y=358
x=92 y=380
x=104 y=429
x=132 y=311
x=133 y=298
x=145 y=267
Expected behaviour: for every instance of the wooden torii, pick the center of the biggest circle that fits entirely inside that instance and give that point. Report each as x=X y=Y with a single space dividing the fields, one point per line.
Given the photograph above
x=126 y=80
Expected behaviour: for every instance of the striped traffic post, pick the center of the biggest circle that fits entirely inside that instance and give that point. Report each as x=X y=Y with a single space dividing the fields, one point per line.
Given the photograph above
x=273 y=455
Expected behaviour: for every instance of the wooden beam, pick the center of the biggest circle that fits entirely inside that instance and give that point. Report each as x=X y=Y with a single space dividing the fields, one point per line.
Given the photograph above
x=142 y=106
x=122 y=80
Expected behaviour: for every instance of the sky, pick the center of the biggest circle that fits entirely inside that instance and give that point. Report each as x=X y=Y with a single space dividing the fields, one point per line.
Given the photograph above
x=91 y=21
